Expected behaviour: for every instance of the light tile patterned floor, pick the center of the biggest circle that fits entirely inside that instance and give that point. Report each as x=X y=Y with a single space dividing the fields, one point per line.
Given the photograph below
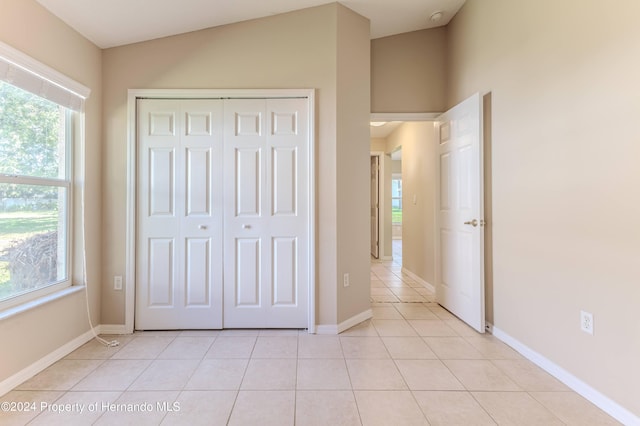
x=414 y=363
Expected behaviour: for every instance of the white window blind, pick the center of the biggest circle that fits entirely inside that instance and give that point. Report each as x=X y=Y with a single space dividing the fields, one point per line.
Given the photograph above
x=24 y=72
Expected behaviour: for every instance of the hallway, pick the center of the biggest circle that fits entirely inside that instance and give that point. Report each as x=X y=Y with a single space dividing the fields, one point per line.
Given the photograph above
x=390 y=285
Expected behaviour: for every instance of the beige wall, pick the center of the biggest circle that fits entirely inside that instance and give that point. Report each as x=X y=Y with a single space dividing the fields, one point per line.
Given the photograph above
x=28 y=27
x=378 y=144
x=563 y=78
x=408 y=72
x=313 y=48
x=353 y=171
x=417 y=140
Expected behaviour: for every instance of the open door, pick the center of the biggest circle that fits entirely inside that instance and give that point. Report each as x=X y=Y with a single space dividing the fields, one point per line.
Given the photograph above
x=375 y=206
x=460 y=213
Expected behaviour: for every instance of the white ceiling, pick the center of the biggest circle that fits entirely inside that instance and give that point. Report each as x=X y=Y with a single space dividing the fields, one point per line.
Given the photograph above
x=109 y=23
x=382 y=132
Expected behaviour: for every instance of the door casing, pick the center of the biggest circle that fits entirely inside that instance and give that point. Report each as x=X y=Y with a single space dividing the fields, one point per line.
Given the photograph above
x=132 y=161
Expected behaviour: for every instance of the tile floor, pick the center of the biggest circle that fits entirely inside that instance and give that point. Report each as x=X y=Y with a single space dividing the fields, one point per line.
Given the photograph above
x=412 y=364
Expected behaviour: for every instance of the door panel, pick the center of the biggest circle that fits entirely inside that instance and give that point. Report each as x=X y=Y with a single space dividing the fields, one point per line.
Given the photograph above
x=198 y=124
x=248 y=181
x=267 y=231
x=285 y=163
x=198 y=172
x=284 y=281
x=162 y=123
x=247 y=271
x=179 y=255
x=460 y=255
x=196 y=277
x=161 y=258
x=162 y=180
x=248 y=123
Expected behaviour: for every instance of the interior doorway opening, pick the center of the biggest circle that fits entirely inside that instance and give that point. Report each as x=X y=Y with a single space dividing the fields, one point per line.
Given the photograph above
x=442 y=209
x=405 y=143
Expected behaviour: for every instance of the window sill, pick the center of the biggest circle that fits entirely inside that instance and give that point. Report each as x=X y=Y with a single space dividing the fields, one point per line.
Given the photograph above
x=25 y=307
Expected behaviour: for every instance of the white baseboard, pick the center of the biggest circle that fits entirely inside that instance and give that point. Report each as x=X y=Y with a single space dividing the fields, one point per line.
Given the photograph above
x=344 y=325
x=327 y=329
x=419 y=280
x=386 y=258
x=64 y=350
x=606 y=404
x=112 y=329
x=26 y=373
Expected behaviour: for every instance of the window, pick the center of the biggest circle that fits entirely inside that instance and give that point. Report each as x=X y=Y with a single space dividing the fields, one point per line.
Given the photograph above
x=35 y=190
x=37 y=111
x=396 y=199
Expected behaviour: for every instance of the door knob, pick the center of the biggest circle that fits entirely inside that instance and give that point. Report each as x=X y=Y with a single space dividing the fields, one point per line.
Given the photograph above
x=473 y=222
x=202 y=226
x=245 y=226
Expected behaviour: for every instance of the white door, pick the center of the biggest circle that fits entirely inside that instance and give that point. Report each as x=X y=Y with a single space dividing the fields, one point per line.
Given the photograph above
x=179 y=243
x=375 y=205
x=460 y=213
x=266 y=202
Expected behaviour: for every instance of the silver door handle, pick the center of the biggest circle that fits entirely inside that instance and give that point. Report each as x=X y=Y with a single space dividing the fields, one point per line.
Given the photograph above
x=202 y=226
x=473 y=222
x=245 y=226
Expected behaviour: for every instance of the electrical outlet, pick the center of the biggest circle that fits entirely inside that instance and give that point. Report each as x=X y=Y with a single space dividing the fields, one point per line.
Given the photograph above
x=345 y=280
x=117 y=282
x=586 y=322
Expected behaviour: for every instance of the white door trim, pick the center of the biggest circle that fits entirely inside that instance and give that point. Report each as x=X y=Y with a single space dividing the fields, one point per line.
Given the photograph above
x=130 y=251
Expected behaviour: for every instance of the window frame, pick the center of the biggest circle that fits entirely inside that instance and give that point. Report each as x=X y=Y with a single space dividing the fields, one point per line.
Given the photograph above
x=24 y=72
x=65 y=183
x=398 y=177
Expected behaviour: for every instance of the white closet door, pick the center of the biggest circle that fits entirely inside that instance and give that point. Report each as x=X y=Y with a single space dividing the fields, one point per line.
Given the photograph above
x=179 y=244
x=266 y=213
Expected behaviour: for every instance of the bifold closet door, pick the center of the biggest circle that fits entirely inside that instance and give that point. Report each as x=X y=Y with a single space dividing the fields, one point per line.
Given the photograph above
x=180 y=233
x=223 y=219
x=266 y=213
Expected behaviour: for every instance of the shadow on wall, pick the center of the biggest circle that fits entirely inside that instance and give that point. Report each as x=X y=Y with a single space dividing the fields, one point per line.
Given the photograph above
x=488 y=216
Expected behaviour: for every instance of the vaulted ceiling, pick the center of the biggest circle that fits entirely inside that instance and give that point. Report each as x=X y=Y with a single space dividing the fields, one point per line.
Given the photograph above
x=109 y=23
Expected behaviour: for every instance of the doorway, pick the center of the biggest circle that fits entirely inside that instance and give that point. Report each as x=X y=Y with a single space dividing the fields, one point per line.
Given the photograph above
x=449 y=251
x=410 y=197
